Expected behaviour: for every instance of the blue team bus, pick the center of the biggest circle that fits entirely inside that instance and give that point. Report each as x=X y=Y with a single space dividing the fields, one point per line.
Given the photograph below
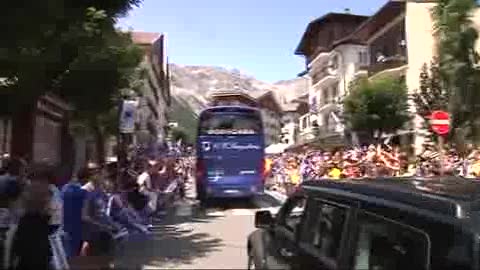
x=230 y=153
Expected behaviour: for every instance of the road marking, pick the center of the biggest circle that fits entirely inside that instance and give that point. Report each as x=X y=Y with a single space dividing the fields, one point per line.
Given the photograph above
x=242 y=212
x=213 y=213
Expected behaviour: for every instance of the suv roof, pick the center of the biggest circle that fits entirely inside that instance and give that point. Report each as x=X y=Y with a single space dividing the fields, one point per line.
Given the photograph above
x=449 y=196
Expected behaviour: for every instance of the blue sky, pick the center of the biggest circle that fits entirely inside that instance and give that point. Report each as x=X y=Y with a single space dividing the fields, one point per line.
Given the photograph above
x=257 y=37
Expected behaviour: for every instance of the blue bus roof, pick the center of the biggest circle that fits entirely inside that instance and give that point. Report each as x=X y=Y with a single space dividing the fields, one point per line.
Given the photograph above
x=224 y=108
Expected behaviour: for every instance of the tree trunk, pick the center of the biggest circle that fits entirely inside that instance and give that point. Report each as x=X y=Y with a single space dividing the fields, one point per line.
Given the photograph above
x=99 y=142
x=5 y=135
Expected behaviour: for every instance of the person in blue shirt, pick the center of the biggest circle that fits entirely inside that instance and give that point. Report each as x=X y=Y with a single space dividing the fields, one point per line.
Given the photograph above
x=73 y=198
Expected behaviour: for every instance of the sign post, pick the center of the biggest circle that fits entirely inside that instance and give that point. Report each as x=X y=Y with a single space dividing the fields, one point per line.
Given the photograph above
x=440 y=124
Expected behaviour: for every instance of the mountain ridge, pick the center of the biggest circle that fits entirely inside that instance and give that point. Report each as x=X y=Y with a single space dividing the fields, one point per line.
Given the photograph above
x=191 y=85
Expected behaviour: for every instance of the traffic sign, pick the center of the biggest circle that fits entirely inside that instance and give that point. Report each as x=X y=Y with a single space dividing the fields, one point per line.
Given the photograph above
x=440 y=122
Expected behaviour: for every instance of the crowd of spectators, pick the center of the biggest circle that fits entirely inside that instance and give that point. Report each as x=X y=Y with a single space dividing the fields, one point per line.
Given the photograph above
x=83 y=218
x=291 y=168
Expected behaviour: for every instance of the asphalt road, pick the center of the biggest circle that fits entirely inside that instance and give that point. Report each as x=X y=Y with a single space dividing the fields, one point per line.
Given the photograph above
x=191 y=237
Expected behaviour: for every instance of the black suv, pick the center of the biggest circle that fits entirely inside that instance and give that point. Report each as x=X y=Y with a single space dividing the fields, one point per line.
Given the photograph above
x=372 y=224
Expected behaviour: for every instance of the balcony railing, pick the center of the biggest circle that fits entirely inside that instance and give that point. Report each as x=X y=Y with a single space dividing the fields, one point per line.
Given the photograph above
x=319 y=74
x=322 y=133
x=387 y=63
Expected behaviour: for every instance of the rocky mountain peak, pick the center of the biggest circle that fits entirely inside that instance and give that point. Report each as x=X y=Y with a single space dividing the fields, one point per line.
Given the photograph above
x=191 y=85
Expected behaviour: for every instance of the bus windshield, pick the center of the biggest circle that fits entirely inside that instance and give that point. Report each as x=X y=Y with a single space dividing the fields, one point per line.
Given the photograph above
x=230 y=124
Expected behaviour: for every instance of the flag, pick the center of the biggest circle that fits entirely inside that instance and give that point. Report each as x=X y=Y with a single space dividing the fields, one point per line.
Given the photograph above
x=127 y=116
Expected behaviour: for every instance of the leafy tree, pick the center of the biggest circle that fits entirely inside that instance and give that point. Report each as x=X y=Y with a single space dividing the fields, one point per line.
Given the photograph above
x=377 y=106
x=179 y=133
x=94 y=81
x=432 y=95
x=458 y=59
x=71 y=48
x=42 y=38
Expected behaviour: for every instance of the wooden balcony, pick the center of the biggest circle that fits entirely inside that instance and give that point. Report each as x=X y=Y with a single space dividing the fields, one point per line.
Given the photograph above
x=386 y=64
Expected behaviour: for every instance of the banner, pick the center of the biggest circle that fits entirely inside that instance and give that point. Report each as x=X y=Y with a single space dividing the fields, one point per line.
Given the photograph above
x=127 y=117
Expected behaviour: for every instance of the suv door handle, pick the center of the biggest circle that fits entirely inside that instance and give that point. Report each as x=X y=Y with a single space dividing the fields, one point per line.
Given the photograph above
x=286 y=253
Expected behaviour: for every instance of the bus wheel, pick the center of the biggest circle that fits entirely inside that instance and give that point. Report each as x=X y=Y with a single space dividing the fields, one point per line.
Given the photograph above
x=201 y=197
x=204 y=203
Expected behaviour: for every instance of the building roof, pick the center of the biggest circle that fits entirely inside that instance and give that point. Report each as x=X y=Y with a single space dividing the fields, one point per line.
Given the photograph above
x=290 y=107
x=329 y=17
x=269 y=95
x=384 y=15
x=145 y=38
x=257 y=94
x=216 y=94
x=449 y=196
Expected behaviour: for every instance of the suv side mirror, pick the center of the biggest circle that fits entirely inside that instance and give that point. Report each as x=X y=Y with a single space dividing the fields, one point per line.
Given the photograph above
x=263 y=219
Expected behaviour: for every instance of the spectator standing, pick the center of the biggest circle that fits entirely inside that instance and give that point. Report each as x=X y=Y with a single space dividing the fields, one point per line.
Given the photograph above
x=97 y=227
x=12 y=184
x=73 y=198
x=144 y=181
x=33 y=227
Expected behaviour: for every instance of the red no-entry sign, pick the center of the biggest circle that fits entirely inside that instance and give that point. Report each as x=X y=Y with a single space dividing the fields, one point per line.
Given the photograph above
x=440 y=122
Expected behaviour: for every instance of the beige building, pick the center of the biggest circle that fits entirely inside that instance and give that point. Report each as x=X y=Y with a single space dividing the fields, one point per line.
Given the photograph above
x=397 y=41
x=271 y=116
x=156 y=97
x=292 y=112
x=400 y=38
x=331 y=63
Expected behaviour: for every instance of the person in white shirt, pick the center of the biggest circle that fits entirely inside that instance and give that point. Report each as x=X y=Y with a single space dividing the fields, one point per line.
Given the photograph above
x=144 y=181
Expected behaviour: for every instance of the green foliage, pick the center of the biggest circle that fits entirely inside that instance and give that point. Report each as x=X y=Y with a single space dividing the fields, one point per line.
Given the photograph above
x=432 y=95
x=186 y=119
x=94 y=79
x=179 y=133
x=43 y=38
x=376 y=106
x=70 y=48
x=458 y=60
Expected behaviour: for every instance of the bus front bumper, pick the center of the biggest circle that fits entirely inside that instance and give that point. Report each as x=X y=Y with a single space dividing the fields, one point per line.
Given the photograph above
x=233 y=191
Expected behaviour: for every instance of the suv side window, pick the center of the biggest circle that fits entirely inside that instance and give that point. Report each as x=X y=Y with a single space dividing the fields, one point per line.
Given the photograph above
x=323 y=230
x=292 y=213
x=383 y=244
